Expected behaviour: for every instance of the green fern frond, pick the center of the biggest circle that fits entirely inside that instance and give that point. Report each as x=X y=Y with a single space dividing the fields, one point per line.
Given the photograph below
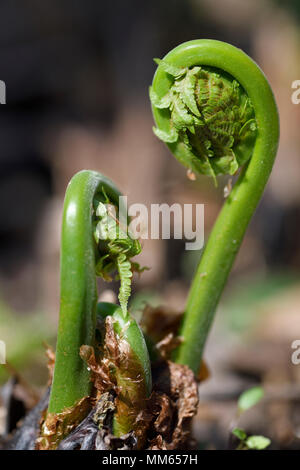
x=115 y=250
x=125 y=273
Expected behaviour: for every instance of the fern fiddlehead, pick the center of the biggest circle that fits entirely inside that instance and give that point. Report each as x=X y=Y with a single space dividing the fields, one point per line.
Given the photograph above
x=215 y=110
x=92 y=243
x=211 y=117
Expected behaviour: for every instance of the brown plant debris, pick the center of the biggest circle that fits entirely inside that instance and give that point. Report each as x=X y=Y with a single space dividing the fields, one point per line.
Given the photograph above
x=164 y=423
x=103 y=411
x=204 y=372
x=90 y=434
x=175 y=402
x=167 y=345
x=55 y=426
x=95 y=431
x=101 y=376
x=122 y=417
x=164 y=414
x=158 y=322
x=106 y=440
x=117 y=369
x=163 y=420
x=162 y=326
x=83 y=437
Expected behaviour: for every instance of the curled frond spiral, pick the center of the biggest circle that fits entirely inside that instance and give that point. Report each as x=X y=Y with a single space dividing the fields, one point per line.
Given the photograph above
x=211 y=118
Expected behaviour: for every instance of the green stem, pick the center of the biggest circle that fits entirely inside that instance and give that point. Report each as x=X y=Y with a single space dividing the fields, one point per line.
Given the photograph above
x=78 y=296
x=229 y=229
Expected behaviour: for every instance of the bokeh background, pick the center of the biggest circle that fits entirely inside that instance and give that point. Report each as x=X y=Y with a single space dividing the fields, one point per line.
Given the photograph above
x=77 y=76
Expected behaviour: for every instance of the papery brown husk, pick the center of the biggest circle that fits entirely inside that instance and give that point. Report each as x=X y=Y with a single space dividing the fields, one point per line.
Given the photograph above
x=163 y=420
x=175 y=401
x=56 y=426
x=118 y=370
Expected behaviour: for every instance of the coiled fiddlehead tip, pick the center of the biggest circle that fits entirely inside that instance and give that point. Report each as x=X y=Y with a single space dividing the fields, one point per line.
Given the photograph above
x=202 y=110
x=211 y=118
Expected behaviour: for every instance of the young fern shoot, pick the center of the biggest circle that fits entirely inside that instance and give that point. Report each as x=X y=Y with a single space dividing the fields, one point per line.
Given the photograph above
x=93 y=243
x=215 y=110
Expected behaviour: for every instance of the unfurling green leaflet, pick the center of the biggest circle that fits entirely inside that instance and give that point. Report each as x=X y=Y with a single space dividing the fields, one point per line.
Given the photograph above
x=125 y=273
x=170 y=69
x=116 y=248
x=211 y=117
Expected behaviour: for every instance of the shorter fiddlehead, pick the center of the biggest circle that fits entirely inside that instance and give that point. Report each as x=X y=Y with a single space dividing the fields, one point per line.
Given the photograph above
x=212 y=125
x=215 y=110
x=85 y=252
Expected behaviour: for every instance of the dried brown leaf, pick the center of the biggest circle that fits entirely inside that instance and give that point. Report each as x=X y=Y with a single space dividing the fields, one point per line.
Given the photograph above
x=184 y=392
x=168 y=344
x=106 y=440
x=158 y=443
x=104 y=410
x=100 y=371
x=203 y=373
x=174 y=403
x=158 y=322
x=56 y=426
x=163 y=422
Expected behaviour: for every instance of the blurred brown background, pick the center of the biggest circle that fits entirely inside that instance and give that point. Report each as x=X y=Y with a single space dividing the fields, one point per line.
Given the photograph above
x=77 y=76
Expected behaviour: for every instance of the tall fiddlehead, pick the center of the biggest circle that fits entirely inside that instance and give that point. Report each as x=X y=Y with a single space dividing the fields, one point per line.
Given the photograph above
x=93 y=243
x=215 y=110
